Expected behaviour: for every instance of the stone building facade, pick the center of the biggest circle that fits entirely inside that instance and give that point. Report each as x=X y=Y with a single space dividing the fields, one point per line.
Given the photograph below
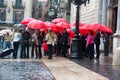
x=13 y=11
x=105 y=12
x=88 y=12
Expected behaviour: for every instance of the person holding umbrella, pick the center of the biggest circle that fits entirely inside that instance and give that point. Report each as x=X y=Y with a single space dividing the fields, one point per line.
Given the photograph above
x=97 y=44
x=49 y=39
x=90 y=44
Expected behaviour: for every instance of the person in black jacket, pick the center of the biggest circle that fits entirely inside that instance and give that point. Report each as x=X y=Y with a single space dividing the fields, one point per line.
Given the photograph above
x=106 y=44
x=97 y=44
x=25 y=44
x=64 y=42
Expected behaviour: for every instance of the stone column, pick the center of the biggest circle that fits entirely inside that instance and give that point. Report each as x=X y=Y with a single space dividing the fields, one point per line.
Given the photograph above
x=104 y=19
x=110 y=13
x=100 y=12
x=104 y=12
x=116 y=40
x=118 y=18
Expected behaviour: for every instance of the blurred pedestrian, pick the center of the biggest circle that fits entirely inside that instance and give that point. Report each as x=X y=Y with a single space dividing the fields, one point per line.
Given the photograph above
x=90 y=45
x=64 y=42
x=7 y=41
x=16 y=41
x=106 y=44
x=49 y=39
x=97 y=44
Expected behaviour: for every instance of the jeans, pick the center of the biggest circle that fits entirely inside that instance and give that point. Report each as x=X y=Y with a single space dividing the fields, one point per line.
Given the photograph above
x=16 y=46
x=6 y=45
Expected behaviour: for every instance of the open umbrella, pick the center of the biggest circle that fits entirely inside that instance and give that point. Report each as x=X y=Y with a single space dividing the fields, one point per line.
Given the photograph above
x=103 y=28
x=106 y=29
x=52 y=26
x=57 y=20
x=62 y=25
x=26 y=21
x=4 y=31
x=71 y=33
x=86 y=28
x=36 y=24
x=73 y=24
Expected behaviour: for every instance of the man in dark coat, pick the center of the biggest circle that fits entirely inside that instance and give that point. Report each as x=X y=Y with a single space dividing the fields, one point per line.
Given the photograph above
x=97 y=43
x=64 y=42
x=106 y=44
x=25 y=44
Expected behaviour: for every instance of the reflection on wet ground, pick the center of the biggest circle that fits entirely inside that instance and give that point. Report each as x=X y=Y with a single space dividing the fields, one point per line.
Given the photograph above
x=101 y=66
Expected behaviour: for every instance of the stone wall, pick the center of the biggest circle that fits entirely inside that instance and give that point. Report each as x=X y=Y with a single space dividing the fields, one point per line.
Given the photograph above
x=88 y=13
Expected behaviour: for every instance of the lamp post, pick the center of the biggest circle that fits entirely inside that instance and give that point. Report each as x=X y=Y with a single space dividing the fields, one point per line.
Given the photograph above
x=75 y=46
x=55 y=11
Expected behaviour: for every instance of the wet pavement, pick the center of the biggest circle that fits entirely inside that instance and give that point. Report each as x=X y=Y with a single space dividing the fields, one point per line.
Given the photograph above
x=22 y=70
x=102 y=66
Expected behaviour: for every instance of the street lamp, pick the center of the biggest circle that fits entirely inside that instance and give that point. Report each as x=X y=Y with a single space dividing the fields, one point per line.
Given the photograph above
x=55 y=11
x=75 y=46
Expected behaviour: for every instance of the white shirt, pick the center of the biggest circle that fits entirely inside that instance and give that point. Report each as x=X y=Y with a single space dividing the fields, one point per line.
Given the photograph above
x=16 y=37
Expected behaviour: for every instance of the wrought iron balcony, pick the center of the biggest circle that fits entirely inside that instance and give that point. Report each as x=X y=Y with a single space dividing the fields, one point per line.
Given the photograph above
x=3 y=4
x=18 y=5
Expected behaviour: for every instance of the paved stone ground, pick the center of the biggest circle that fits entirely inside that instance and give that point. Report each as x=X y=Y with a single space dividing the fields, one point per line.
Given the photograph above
x=19 y=70
x=101 y=66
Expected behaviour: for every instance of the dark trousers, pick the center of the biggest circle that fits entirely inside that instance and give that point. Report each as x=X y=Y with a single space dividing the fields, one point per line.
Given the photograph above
x=16 y=46
x=40 y=54
x=49 y=51
x=97 y=50
x=90 y=51
x=64 y=49
x=59 y=45
x=22 y=55
x=24 y=49
x=27 y=49
x=106 y=49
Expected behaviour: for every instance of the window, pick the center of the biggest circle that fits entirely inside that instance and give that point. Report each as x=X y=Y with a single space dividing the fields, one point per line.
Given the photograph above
x=18 y=16
x=1 y=2
x=18 y=2
x=2 y=15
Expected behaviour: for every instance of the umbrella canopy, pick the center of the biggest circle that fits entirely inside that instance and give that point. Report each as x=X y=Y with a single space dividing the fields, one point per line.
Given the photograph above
x=36 y=24
x=103 y=28
x=106 y=29
x=18 y=25
x=71 y=33
x=86 y=28
x=57 y=20
x=62 y=25
x=73 y=24
x=5 y=31
x=26 y=21
x=52 y=26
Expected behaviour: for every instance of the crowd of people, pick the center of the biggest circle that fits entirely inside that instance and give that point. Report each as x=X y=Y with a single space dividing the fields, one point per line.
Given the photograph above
x=57 y=42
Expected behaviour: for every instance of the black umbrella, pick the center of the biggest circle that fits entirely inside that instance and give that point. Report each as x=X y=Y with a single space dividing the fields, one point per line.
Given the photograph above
x=6 y=53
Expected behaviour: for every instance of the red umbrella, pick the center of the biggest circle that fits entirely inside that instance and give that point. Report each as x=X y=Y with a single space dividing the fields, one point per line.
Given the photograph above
x=45 y=46
x=52 y=26
x=103 y=28
x=62 y=25
x=106 y=29
x=36 y=24
x=26 y=21
x=73 y=24
x=57 y=20
x=71 y=33
x=86 y=28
